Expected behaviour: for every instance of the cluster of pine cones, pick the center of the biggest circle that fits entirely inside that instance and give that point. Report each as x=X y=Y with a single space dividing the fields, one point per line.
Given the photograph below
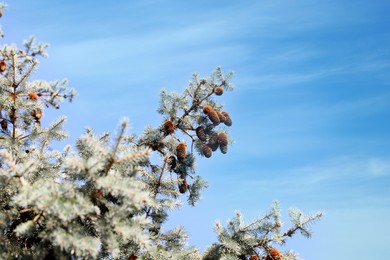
x=211 y=140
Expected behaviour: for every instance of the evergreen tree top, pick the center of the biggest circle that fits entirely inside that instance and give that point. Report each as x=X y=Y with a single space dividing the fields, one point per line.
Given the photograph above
x=109 y=196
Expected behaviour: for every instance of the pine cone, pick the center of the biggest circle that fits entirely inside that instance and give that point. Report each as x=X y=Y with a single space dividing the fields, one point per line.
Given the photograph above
x=169 y=128
x=207 y=109
x=206 y=151
x=223 y=148
x=223 y=142
x=274 y=254
x=223 y=139
x=3 y=66
x=221 y=117
x=213 y=116
x=218 y=91
x=4 y=124
x=253 y=257
x=33 y=96
x=213 y=141
x=183 y=186
x=228 y=121
x=200 y=133
x=181 y=151
x=133 y=257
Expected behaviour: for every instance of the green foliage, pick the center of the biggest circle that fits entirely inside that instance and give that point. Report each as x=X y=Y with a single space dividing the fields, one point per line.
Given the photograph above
x=239 y=239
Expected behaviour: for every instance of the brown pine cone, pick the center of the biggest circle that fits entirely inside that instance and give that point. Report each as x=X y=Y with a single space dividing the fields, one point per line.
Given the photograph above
x=221 y=117
x=228 y=121
x=207 y=151
x=223 y=142
x=213 y=141
x=207 y=109
x=33 y=96
x=223 y=148
x=200 y=133
x=169 y=127
x=3 y=66
x=223 y=139
x=181 y=151
x=274 y=254
x=218 y=91
x=183 y=186
x=213 y=116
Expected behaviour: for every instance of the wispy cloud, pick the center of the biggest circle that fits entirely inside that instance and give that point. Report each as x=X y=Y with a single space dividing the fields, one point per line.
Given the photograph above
x=157 y=50
x=267 y=81
x=326 y=175
x=263 y=81
x=349 y=167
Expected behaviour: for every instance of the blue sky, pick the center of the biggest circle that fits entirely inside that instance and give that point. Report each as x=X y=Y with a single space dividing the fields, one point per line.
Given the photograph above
x=311 y=108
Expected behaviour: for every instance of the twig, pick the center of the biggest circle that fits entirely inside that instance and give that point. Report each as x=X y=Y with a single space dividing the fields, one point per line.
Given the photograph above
x=26 y=210
x=112 y=159
x=156 y=189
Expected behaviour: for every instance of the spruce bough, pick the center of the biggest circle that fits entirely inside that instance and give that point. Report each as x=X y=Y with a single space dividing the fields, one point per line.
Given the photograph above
x=105 y=198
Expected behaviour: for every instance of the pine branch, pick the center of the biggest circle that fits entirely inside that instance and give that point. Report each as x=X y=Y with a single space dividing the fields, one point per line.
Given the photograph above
x=157 y=186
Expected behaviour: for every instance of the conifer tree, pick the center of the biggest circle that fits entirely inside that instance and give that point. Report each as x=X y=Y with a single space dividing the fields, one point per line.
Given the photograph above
x=106 y=197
